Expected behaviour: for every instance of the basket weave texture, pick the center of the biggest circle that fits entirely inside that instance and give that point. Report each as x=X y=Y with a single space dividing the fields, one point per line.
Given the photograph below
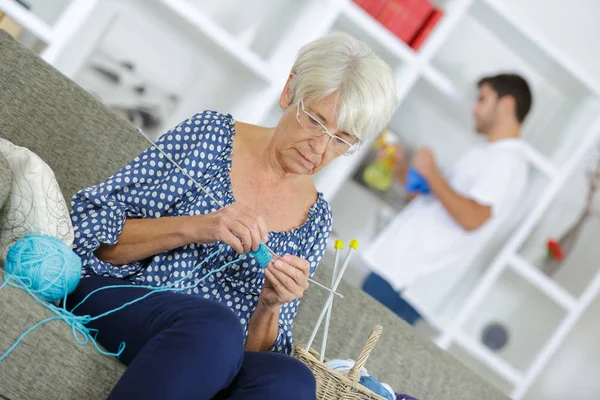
x=333 y=385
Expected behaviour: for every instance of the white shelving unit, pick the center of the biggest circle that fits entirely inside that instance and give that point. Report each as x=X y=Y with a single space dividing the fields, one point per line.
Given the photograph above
x=239 y=56
x=54 y=32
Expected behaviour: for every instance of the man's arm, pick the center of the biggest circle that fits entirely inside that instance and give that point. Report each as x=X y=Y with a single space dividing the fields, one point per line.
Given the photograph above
x=465 y=211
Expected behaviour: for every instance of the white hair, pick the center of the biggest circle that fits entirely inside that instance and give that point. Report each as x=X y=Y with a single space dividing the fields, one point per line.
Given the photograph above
x=363 y=82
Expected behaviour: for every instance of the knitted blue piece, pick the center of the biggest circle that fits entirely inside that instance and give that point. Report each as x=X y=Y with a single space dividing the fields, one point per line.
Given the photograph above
x=262 y=255
x=375 y=386
x=415 y=183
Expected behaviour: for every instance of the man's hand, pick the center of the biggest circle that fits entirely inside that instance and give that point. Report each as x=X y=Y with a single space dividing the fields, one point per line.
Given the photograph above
x=424 y=163
x=286 y=280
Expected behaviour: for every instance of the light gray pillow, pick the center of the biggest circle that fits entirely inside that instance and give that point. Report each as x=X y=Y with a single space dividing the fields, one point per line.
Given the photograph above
x=5 y=179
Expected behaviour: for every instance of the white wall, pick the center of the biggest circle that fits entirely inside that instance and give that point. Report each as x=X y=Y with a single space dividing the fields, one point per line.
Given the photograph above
x=573 y=372
x=571 y=25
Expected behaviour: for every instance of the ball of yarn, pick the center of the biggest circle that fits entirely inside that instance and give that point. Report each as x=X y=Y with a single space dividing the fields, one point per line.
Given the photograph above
x=45 y=265
x=375 y=386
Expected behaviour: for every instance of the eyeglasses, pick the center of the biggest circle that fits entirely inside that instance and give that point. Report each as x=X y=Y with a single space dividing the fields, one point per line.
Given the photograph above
x=347 y=145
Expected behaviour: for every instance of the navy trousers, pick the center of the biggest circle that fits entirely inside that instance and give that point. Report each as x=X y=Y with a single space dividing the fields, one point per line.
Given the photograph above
x=382 y=291
x=184 y=347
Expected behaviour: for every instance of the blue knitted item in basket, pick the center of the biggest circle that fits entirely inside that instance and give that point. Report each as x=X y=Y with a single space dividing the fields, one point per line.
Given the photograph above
x=375 y=386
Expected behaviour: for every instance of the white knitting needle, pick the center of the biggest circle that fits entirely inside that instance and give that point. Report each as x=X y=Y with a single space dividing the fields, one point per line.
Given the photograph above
x=213 y=198
x=276 y=257
x=339 y=245
x=352 y=247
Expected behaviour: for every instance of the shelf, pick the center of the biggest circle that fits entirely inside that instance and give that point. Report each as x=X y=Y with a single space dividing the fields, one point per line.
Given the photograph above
x=211 y=37
x=469 y=360
x=558 y=337
x=48 y=11
x=502 y=368
x=579 y=266
x=454 y=11
x=28 y=20
x=523 y=38
x=375 y=213
x=68 y=27
x=331 y=178
x=527 y=314
x=561 y=109
x=382 y=41
x=536 y=278
x=429 y=119
x=459 y=101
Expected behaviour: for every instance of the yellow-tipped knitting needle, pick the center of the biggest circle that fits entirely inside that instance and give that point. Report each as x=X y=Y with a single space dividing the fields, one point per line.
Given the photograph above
x=352 y=247
x=339 y=245
x=276 y=256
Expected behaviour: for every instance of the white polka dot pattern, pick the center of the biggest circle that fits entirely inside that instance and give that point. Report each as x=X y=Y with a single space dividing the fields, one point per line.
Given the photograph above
x=151 y=187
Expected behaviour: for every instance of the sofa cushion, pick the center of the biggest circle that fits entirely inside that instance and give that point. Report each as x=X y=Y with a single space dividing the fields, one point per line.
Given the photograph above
x=48 y=364
x=35 y=203
x=5 y=179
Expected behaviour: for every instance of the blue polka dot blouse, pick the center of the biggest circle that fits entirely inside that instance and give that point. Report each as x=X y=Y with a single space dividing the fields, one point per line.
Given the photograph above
x=151 y=187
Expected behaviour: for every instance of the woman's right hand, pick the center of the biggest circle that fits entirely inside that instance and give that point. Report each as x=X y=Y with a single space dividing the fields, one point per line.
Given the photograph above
x=237 y=225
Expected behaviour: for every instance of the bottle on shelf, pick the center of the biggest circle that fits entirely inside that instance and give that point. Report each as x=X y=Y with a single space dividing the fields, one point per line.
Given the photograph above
x=380 y=175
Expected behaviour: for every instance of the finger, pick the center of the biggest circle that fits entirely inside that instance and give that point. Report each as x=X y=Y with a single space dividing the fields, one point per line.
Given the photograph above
x=262 y=227
x=297 y=262
x=252 y=228
x=249 y=218
x=256 y=218
x=243 y=233
x=293 y=277
x=233 y=241
x=281 y=284
x=272 y=280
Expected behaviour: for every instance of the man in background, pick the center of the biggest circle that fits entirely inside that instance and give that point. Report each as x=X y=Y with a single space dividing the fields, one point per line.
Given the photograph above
x=446 y=227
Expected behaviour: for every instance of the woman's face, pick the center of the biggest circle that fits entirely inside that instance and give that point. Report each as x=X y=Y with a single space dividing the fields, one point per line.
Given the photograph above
x=302 y=147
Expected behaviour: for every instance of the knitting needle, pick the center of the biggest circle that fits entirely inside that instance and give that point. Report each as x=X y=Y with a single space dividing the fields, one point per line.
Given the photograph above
x=339 y=245
x=213 y=198
x=352 y=247
x=277 y=257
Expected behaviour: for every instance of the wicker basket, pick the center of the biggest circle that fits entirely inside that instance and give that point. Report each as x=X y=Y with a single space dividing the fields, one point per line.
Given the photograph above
x=333 y=385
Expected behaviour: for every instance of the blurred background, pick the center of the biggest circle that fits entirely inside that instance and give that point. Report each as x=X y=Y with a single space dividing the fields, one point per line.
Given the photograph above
x=157 y=62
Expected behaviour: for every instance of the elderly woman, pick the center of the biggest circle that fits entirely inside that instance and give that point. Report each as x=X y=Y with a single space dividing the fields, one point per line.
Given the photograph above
x=227 y=336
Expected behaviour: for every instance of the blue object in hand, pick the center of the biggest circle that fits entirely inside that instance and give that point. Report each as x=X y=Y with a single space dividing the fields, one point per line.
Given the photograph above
x=415 y=183
x=262 y=255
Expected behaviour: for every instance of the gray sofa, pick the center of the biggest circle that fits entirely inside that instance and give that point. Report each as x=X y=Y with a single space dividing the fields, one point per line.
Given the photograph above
x=84 y=143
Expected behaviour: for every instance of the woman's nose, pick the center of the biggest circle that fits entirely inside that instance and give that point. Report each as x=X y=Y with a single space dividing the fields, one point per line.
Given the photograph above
x=319 y=143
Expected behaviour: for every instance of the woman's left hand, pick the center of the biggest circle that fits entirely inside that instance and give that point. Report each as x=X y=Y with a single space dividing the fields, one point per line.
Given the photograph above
x=286 y=279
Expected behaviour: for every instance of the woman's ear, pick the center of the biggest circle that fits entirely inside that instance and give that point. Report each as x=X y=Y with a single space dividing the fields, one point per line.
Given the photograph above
x=286 y=95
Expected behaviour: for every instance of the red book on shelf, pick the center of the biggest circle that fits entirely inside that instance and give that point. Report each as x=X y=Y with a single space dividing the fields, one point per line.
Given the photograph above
x=404 y=17
x=426 y=29
x=372 y=7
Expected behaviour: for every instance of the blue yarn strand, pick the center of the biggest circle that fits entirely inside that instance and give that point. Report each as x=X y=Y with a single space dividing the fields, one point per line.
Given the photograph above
x=161 y=289
x=198 y=266
x=80 y=332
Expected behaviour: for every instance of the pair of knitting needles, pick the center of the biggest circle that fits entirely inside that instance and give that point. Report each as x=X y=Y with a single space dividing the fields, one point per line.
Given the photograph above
x=335 y=281
x=219 y=202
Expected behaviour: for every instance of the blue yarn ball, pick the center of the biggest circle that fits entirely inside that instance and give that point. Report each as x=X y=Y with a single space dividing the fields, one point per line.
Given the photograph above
x=45 y=264
x=375 y=386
